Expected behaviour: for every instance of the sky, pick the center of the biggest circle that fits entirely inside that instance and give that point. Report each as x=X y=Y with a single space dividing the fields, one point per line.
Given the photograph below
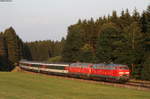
x=49 y=19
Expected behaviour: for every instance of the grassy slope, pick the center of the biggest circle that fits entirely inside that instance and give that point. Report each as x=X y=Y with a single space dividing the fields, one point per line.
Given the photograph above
x=17 y=85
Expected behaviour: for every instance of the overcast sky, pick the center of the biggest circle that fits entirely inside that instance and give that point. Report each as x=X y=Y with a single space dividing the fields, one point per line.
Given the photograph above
x=49 y=19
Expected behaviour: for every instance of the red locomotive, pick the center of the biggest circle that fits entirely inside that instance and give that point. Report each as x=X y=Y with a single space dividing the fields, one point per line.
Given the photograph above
x=108 y=72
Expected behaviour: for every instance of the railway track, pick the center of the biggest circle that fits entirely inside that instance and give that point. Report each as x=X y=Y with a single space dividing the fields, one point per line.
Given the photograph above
x=139 y=84
x=133 y=84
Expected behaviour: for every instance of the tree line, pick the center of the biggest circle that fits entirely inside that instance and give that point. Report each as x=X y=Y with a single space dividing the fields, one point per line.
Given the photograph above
x=13 y=49
x=121 y=39
x=43 y=50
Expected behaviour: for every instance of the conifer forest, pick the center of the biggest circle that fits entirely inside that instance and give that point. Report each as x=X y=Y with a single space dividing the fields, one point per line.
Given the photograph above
x=117 y=38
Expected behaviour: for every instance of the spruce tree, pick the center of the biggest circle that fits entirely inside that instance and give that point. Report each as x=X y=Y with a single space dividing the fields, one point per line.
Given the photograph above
x=71 y=51
x=86 y=54
x=145 y=21
x=109 y=46
x=146 y=67
x=12 y=45
x=3 y=54
x=134 y=48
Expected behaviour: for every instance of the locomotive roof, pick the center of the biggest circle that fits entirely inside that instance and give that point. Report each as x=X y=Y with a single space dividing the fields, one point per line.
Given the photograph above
x=102 y=64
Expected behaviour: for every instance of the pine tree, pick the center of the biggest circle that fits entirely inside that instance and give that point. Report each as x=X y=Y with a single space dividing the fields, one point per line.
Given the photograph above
x=146 y=67
x=136 y=16
x=145 y=21
x=3 y=48
x=71 y=51
x=12 y=45
x=125 y=19
x=109 y=44
x=87 y=54
x=134 y=48
x=3 y=54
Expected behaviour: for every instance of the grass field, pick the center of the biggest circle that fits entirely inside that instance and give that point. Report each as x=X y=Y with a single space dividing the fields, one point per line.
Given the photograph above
x=19 y=85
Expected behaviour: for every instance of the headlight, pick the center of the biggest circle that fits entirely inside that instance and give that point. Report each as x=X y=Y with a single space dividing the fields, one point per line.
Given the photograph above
x=121 y=73
x=126 y=72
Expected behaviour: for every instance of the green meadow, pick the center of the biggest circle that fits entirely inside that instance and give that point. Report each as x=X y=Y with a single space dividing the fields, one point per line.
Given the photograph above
x=20 y=85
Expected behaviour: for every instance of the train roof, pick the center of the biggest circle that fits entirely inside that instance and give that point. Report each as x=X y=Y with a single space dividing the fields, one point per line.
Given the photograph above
x=81 y=64
x=46 y=64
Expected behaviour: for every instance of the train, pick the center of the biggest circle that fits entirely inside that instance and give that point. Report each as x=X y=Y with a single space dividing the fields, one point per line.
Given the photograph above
x=102 y=71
